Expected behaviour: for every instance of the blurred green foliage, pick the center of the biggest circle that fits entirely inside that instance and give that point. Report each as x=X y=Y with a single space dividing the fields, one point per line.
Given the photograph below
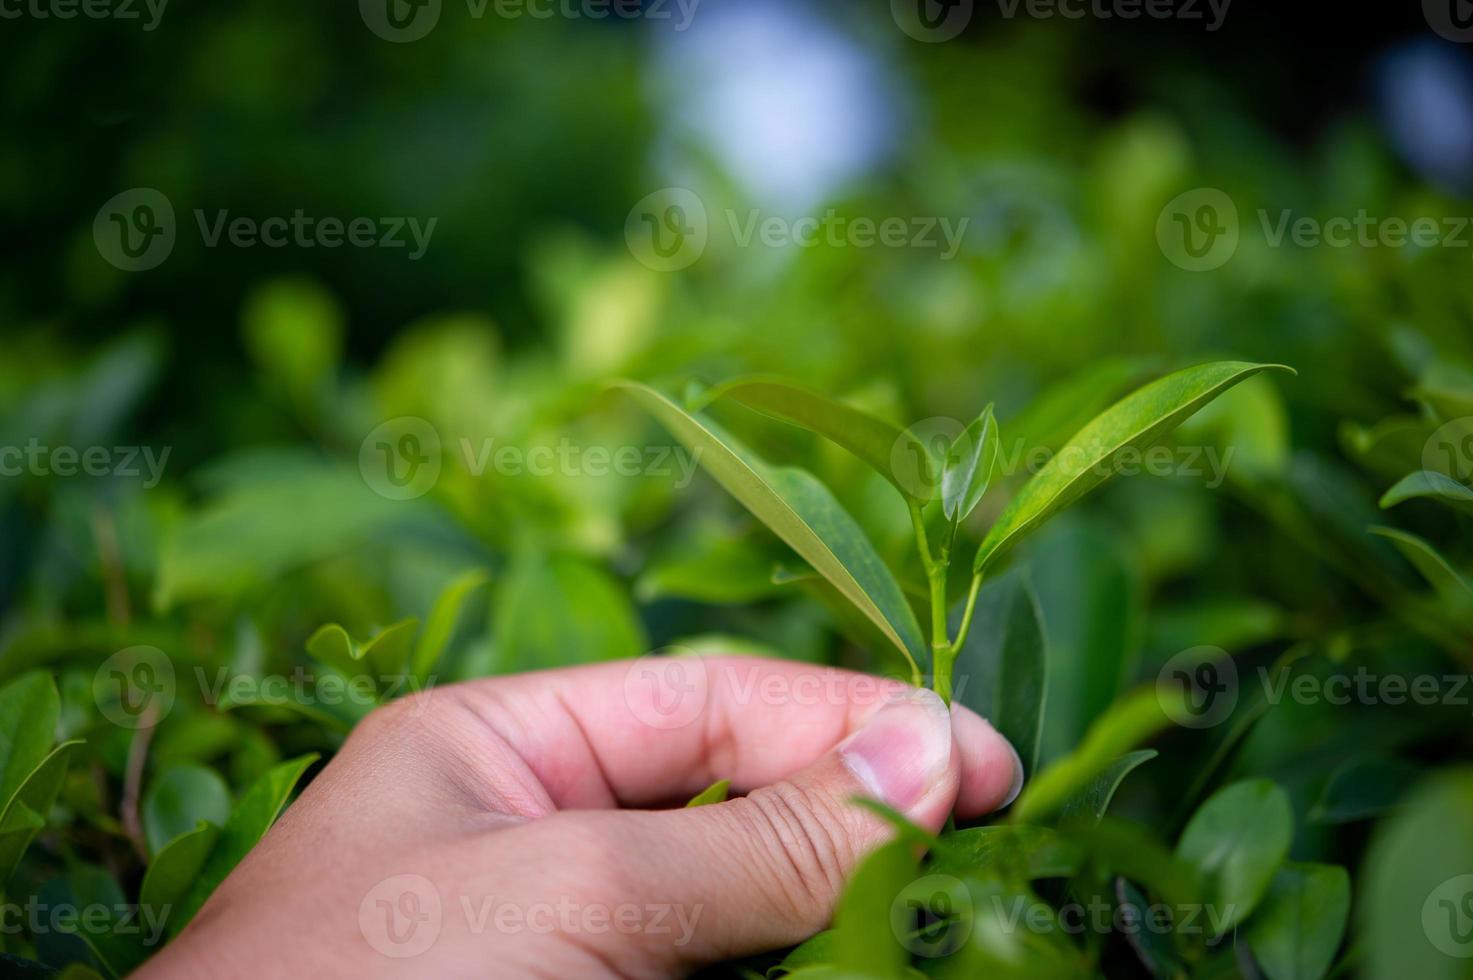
x=242 y=397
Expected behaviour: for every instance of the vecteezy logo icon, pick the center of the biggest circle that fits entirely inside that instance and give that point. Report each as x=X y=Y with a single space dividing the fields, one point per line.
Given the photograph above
x=401 y=915
x=134 y=688
x=917 y=457
x=1450 y=450
x=1447 y=917
x=667 y=229
x=932 y=21
x=134 y=230
x=1198 y=230
x=1453 y=19
x=666 y=689
x=932 y=916
x=1198 y=688
x=400 y=459
x=400 y=21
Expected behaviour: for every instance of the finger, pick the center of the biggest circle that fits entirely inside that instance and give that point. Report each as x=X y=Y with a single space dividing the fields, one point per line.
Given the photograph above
x=648 y=731
x=766 y=870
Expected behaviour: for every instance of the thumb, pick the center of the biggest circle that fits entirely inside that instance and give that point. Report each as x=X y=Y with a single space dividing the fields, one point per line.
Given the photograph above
x=765 y=870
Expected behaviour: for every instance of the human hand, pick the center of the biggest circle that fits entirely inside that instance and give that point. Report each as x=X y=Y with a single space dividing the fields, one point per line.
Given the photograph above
x=476 y=829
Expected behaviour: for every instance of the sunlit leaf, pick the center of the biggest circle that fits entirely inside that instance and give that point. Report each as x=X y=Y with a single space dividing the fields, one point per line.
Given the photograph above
x=1085 y=462
x=805 y=515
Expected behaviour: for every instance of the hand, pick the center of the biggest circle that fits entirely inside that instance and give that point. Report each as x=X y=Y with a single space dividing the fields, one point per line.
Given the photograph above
x=476 y=830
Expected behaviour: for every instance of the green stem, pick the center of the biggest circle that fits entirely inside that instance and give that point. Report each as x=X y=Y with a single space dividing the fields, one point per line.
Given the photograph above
x=966 y=624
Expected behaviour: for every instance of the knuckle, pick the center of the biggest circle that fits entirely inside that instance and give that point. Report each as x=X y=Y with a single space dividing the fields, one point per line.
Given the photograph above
x=807 y=850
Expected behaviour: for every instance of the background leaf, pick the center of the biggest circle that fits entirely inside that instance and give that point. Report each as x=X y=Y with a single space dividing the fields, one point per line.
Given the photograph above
x=1083 y=462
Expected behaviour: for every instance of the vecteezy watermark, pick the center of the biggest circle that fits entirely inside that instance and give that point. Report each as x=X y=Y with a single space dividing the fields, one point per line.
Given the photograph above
x=1199 y=230
x=134 y=688
x=1447 y=917
x=1200 y=687
x=302 y=687
x=37 y=459
x=1452 y=19
x=1450 y=450
x=915 y=458
x=402 y=21
x=147 y=12
x=934 y=916
x=669 y=229
x=136 y=230
x=1101 y=917
x=934 y=21
x=145 y=923
x=403 y=458
x=402 y=916
x=670 y=688
x=137 y=687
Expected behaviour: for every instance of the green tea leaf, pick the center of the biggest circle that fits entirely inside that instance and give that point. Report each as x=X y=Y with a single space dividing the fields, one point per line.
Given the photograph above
x=1447 y=580
x=1363 y=788
x=804 y=514
x=816 y=950
x=1301 y=921
x=1001 y=669
x=175 y=867
x=1129 y=721
x=1414 y=908
x=555 y=610
x=382 y=658
x=29 y=710
x=1090 y=802
x=1135 y=421
x=179 y=799
x=25 y=814
x=1433 y=485
x=1236 y=841
x=715 y=793
x=968 y=468
x=441 y=622
x=247 y=824
x=873 y=440
x=868 y=901
x=1013 y=851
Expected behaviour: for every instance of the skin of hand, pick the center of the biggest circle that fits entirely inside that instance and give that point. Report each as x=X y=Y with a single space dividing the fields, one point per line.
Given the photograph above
x=480 y=829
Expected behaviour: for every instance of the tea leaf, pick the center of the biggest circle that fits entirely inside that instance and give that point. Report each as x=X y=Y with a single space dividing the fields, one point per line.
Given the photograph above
x=551 y=611
x=1090 y=801
x=1129 y=721
x=29 y=710
x=1001 y=669
x=1363 y=788
x=869 y=897
x=1012 y=851
x=175 y=866
x=1415 y=906
x=25 y=814
x=1135 y=421
x=804 y=514
x=715 y=793
x=381 y=659
x=1236 y=842
x=968 y=468
x=247 y=824
x=1433 y=485
x=873 y=440
x=1299 y=926
x=1447 y=580
x=441 y=622
x=179 y=799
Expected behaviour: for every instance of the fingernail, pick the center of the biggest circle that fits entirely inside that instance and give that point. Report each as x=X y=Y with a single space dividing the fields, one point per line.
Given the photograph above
x=1017 y=786
x=902 y=750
